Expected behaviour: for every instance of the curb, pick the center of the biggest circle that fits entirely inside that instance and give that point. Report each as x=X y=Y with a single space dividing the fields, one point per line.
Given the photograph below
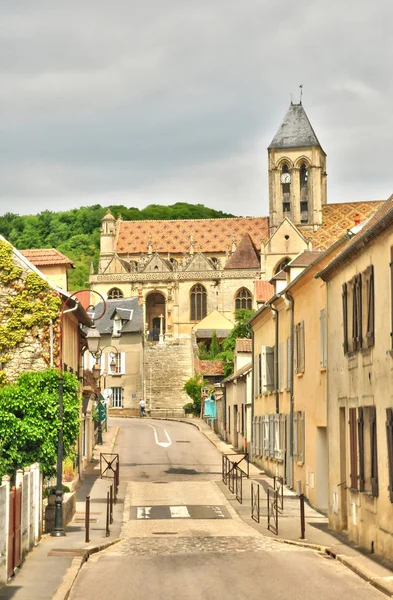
x=63 y=591
x=115 y=439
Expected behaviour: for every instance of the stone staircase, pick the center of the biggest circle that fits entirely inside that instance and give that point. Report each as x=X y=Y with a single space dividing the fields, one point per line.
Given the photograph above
x=167 y=367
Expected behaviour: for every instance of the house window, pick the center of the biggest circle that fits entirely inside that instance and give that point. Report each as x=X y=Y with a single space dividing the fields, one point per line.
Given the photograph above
x=266 y=378
x=117 y=397
x=353 y=450
x=289 y=364
x=117 y=325
x=299 y=436
x=368 y=456
x=119 y=366
x=115 y=293
x=358 y=311
x=389 y=436
x=299 y=348
x=198 y=299
x=303 y=193
x=243 y=299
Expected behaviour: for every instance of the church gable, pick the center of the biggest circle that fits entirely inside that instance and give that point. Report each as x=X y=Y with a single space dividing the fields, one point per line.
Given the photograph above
x=200 y=263
x=287 y=239
x=157 y=264
x=116 y=265
x=245 y=256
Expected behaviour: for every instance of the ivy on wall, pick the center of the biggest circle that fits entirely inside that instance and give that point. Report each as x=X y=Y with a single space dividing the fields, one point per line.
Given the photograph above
x=28 y=308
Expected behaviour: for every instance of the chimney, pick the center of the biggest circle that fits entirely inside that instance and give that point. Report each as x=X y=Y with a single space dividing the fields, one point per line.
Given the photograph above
x=357 y=219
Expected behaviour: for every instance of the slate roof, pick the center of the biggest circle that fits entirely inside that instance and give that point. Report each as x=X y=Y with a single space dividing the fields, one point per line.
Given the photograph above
x=246 y=256
x=263 y=290
x=41 y=257
x=304 y=259
x=124 y=305
x=207 y=333
x=209 y=235
x=295 y=130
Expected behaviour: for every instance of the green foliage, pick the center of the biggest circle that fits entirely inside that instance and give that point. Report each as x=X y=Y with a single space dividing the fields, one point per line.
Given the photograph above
x=193 y=388
x=29 y=422
x=28 y=309
x=76 y=233
x=211 y=353
x=241 y=330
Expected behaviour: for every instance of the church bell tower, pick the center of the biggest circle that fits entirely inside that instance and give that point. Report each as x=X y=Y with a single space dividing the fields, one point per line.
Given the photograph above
x=297 y=172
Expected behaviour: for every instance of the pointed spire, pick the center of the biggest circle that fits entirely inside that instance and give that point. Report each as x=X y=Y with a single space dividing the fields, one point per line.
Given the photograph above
x=295 y=130
x=246 y=255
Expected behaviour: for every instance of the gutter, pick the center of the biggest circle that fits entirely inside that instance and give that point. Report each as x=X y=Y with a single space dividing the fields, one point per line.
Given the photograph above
x=292 y=400
x=276 y=375
x=252 y=397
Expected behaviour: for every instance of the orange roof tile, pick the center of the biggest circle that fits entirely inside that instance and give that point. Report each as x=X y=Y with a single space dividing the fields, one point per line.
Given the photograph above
x=209 y=367
x=263 y=290
x=41 y=257
x=243 y=345
x=209 y=235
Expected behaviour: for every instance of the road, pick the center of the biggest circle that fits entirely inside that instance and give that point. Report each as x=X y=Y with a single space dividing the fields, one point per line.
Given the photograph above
x=181 y=539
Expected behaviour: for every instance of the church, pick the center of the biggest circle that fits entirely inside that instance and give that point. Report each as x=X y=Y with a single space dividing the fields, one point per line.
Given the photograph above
x=183 y=270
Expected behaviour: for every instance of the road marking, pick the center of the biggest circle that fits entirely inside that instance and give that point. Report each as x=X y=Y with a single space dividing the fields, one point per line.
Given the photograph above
x=179 y=512
x=143 y=512
x=162 y=444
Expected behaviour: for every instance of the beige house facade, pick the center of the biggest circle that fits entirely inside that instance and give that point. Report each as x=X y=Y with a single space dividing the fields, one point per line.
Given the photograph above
x=360 y=390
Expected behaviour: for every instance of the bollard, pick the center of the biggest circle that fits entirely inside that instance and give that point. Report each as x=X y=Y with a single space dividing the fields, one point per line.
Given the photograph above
x=107 y=532
x=302 y=518
x=87 y=520
x=111 y=503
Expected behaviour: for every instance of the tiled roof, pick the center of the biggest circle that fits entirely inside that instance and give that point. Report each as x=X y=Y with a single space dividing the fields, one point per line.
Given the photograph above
x=263 y=290
x=209 y=235
x=295 y=130
x=243 y=345
x=41 y=257
x=246 y=256
x=338 y=218
x=238 y=373
x=207 y=333
x=377 y=223
x=209 y=367
x=304 y=259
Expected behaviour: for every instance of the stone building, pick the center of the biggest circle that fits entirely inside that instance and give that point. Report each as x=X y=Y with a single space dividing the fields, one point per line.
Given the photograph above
x=181 y=271
x=52 y=263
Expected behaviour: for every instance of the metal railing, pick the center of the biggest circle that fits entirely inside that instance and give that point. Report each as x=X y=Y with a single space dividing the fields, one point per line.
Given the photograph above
x=272 y=511
x=232 y=474
x=255 y=502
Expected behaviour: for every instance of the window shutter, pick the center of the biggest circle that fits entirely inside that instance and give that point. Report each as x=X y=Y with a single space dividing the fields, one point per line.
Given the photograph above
x=374 y=453
x=302 y=347
x=303 y=436
x=361 y=448
x=353 y=448
x=271 y=436
x=370 y=306
x=276 y=436
x=359 y=311
x=260 y=434
x=266 y=435
x=295 y=348
x=269 y=368
x=282 y=436
x=289 y=365
x=260 y=374
x=389 y=436
x=123 y=363
x=256 y=374
x=354 y=337
x=345 y=316
x=295 y=435
x=256 y=428
x=253 y=437
x=280 y=367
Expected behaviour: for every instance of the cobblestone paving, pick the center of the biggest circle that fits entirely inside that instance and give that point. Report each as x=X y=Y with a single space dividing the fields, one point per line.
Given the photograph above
x=180 y=545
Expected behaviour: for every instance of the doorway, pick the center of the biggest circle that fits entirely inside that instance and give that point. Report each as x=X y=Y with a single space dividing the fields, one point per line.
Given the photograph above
x=322 y=470
x=343 y=469
x=155 y=306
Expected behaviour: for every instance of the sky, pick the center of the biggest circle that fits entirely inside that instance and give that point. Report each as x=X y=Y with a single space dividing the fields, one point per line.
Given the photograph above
x=164 y=101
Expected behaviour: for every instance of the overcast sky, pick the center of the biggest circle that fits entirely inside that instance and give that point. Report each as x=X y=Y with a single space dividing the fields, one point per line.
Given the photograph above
x=159 y=101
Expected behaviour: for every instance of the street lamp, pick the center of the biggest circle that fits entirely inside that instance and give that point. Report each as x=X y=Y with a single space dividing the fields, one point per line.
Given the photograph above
x=58 y=530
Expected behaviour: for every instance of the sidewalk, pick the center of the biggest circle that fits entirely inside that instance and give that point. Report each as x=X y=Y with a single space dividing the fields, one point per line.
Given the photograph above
x=50 y=569
x=317 y=534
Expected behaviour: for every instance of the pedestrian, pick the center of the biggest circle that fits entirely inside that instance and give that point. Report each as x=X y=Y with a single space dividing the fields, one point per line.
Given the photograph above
x=142 y=408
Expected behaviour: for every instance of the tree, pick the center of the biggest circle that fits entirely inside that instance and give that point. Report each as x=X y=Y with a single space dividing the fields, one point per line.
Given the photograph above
x=29 y=423
x=241 y=330
x=215 y=347
x=193 y=388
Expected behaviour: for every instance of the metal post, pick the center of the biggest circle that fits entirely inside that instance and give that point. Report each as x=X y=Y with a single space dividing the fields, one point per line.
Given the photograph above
x=302 y=518
x=107 y=532
x=58 y=530
x=99 y=441
x=111 y=503
x=87 y=520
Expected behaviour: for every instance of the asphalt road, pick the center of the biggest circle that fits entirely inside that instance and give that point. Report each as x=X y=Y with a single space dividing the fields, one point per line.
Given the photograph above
x=182 y=540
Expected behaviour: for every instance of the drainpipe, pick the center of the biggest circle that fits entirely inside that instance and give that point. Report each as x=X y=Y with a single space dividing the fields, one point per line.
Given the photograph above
x=275 y=311
x=224 y=402
x=252 y=397
x=142 y=334
x=291 y=406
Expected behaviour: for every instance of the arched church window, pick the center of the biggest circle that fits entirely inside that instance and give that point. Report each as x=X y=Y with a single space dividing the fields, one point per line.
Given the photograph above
x=286 y=189
x=198 y=302
x=243 y=299
x=303 y=193
x=281 y=265
x=115 y=294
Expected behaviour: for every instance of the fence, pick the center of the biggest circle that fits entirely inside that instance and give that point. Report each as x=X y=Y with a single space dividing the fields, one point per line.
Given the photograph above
x=20 y=518
x=232 y=474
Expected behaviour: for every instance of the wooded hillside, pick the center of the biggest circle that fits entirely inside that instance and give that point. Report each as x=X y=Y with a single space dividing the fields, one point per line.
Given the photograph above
x=76 y=233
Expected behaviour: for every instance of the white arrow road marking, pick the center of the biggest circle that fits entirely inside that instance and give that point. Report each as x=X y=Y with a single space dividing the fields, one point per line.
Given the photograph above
x=162 y=444
x=143 y=512
x=179 y=512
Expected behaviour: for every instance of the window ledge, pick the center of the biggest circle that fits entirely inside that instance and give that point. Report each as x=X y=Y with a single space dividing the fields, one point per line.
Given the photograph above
x=299 y=375
x=323 y=369
x=299 y=463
